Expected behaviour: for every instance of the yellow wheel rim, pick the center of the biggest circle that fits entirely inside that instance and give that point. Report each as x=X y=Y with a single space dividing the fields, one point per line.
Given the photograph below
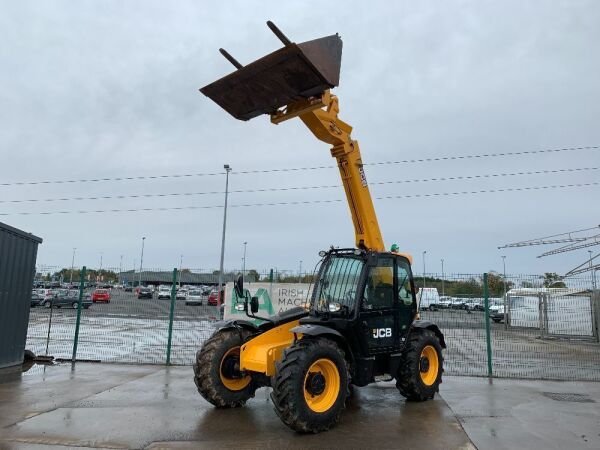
x=233 y=384
x=429 y=365
x=321 y=385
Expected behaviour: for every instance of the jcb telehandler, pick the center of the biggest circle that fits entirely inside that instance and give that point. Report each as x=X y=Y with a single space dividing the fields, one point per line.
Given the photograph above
x=361 y=325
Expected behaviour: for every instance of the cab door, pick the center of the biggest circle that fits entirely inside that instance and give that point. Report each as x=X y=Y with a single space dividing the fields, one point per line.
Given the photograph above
x=407 y=302
x=378 y=308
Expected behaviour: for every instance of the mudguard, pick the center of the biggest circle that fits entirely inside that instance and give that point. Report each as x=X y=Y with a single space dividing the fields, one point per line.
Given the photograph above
x=428 y=325
x=235 y=324
x=315 y=330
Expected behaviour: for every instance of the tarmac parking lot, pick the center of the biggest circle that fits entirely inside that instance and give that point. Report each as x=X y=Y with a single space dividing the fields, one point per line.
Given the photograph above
x=132 y=330
x=127 y=329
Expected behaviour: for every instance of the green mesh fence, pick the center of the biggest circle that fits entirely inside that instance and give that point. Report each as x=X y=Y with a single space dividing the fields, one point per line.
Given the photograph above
x=539 y=328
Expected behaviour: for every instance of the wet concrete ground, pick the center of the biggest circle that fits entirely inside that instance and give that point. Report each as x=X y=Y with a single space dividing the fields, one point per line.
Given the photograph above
x=119 y=406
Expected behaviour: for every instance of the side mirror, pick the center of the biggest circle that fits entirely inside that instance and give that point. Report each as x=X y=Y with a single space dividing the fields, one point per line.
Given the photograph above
x=239 y=286
x=254 y=305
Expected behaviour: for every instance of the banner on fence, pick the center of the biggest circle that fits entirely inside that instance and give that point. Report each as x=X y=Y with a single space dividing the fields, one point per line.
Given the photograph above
x=273 y=298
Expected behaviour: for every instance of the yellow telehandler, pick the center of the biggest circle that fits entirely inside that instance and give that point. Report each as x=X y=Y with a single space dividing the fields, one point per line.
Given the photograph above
x=361 y=325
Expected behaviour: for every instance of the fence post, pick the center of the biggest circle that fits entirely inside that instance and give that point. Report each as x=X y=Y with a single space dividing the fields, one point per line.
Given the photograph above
x=81 y=288
x=173 y=298
x=49 y=324
x=486 y=301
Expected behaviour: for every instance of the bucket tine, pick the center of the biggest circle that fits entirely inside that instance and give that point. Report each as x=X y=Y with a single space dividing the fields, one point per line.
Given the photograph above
x=230 y=58
x=282 y=37
x=292 y=73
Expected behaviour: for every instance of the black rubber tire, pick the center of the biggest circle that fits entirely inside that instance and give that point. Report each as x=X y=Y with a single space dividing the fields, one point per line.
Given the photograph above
x=208 y=367
x=47 y=304
x=288 y=385
x=408 y=379
x=75 y=305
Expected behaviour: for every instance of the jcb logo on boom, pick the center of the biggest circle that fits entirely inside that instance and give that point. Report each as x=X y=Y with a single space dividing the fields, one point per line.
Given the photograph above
x=382 y=333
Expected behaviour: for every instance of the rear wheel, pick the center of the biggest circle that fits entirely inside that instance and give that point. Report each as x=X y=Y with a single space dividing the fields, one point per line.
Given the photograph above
x=311 y=385
x=420 y=372
x=217 y=371
x=75 y=305
x=47 y=304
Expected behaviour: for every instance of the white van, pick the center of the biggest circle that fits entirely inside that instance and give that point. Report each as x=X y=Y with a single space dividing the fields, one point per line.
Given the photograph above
x=428 y=299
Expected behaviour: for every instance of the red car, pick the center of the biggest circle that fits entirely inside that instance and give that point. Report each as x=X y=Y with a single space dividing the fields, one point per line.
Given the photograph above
x=213 y=298
x=101 y=295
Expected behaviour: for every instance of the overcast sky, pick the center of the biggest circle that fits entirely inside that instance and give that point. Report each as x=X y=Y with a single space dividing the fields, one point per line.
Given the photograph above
x=110 y=88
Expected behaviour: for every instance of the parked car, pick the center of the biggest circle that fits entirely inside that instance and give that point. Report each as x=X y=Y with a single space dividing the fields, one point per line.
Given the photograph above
x=470 y=304
x=444 y=302
x=128 y=288
x=206 y=290
x=46 y=293
x=194 y=297
x=458 y=303
x=101 y=295
x=36 y=299
x=164 y=292
x=144 y=292
x=67 y=299
x=497 y=313
x=181 y=294
x=213 y=298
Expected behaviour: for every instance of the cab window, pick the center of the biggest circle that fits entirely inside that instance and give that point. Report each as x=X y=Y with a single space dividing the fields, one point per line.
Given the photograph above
x=379 y=290
x=405 y=296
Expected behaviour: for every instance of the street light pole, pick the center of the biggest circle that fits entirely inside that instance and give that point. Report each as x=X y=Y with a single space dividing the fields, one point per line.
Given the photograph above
x=72 y=265
x=424 y=252
x=300 y=272
x=227 y=170
x=180 y=267
x=100 y=271
x=504 y=270
x=121 y=270
x=244 y=262
x=142 y=260
x=443 y=292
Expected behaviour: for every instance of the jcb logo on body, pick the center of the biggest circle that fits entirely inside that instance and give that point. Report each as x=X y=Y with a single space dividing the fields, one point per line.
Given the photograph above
x=382 y=333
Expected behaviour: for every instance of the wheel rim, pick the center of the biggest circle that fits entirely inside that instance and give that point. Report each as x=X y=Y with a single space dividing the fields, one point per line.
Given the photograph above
x=229 y=374
x=75 y=305
x=321 y=385
x=429 y=365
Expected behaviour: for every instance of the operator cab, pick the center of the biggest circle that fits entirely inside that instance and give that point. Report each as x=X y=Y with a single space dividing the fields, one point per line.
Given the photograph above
x=369 y=293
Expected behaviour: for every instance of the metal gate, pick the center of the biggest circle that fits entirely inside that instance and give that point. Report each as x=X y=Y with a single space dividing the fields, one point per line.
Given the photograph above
x=556 y=313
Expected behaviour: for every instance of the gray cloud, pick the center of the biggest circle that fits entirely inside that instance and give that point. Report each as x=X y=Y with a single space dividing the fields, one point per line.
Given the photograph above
x=101 y=89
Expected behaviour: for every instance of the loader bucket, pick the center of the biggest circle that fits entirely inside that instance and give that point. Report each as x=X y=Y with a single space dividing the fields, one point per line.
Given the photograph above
x=294 y=72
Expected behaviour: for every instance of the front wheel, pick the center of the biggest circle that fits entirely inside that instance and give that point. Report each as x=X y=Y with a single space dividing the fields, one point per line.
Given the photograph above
x=311 y=385
x=420 y=372
x=217 y=371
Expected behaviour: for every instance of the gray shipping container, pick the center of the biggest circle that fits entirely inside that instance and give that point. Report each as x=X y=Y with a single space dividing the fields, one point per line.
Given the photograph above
x=18 y=251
